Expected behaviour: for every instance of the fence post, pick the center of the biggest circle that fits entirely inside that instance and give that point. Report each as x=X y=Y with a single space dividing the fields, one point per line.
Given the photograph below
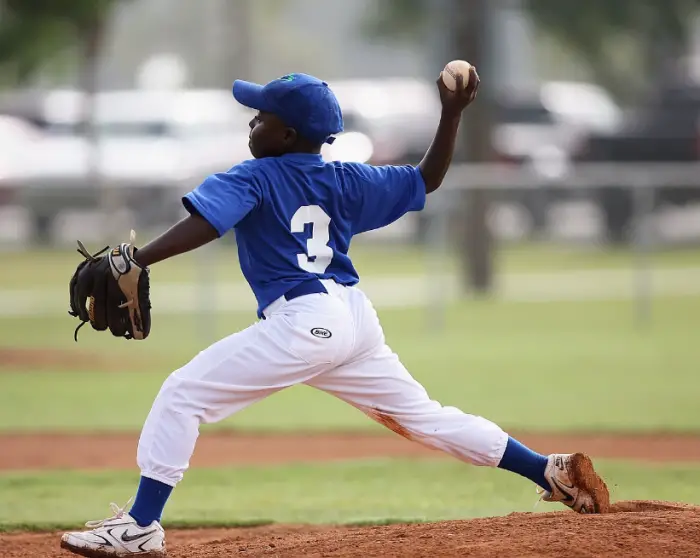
x=206 y=297
x=437 y=247
x=643 y=192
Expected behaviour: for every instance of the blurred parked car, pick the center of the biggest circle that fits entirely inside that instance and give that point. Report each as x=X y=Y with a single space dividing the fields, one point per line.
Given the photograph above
x=664 y=129
x=17 y=138
x=153 y=146
x=546 y=128
x=559 y=116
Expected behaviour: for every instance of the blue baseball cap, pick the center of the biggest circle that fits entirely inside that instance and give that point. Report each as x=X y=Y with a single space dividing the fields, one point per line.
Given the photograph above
x=301 y=101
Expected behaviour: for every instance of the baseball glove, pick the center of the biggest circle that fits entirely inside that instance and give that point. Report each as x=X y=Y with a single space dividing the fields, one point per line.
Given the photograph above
x=117 y=292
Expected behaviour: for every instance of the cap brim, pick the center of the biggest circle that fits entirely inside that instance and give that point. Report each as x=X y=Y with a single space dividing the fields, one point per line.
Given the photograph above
x=249 y=95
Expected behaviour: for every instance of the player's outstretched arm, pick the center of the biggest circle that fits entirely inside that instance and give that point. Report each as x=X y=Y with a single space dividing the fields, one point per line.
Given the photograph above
x=437 y=159
x=215 y=207
x=190 y=233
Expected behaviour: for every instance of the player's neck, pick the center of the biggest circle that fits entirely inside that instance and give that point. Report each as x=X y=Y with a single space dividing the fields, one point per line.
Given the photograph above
x=308 y=153
x=304 y=147
x=303 y=152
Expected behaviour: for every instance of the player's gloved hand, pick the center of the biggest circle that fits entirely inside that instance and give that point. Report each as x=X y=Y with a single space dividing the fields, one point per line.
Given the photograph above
x=117 y=292
x=454 y=102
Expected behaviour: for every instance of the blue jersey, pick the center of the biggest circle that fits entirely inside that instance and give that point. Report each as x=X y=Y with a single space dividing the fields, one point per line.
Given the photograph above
x=294 y=216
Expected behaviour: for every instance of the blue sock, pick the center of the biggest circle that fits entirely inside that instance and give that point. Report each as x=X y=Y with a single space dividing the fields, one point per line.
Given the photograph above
x=150 y=501
x=522 y=460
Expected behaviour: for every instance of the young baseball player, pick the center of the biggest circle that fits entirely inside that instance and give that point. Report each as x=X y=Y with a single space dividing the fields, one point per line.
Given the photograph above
x=294 y=216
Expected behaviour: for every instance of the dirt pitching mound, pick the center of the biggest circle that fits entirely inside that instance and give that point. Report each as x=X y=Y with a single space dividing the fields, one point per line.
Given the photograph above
x=32 y=360
x=640 y=529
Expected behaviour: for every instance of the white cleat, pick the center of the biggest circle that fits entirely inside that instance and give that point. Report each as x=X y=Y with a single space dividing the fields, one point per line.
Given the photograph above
x=575 y=483
x=119 y=535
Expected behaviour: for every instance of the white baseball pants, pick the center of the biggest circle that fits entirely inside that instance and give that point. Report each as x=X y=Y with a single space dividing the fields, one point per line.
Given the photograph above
x=346 y=356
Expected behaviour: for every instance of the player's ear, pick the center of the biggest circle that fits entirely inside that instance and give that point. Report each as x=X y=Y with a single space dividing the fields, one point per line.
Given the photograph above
x=290 y=136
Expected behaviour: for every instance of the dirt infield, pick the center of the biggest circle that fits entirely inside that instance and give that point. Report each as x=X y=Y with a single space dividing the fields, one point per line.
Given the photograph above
x=117 y=451
x=656 y=529
x=33 y=359
x=639 y=529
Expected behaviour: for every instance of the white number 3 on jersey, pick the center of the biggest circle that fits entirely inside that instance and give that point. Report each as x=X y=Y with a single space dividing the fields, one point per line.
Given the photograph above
x=318 y=254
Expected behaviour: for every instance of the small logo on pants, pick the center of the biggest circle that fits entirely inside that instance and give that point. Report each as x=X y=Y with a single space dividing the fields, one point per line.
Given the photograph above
x=321 y=332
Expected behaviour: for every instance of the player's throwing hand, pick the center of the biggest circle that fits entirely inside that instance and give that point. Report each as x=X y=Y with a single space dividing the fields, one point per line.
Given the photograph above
x=454 y=102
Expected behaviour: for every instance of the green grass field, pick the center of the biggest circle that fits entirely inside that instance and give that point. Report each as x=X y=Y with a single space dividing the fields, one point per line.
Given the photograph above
x=352 y=492
x=545 y=366
x=520 y=364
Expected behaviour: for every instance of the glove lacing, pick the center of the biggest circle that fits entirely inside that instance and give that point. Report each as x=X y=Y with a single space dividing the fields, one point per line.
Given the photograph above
x=92 y=258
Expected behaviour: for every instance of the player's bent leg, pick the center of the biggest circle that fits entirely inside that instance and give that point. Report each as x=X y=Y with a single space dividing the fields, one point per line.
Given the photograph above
x=381 y=387
x=233 y=374
x=223 y=379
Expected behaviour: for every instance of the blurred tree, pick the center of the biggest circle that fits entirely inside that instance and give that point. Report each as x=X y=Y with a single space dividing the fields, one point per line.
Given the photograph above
x=471 y=32
x=657 y=29
x=34 y=32
x=398 y=19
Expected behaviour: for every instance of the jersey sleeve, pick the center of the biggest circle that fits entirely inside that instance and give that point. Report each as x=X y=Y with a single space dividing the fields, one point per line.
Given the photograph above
x=379 y=195
x=225 y=198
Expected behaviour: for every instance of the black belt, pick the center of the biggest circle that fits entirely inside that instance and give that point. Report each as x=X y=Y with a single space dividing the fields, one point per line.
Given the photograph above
x=311 y=286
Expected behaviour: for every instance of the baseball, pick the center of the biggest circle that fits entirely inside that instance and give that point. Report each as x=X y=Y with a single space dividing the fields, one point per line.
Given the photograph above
x=452 y=70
